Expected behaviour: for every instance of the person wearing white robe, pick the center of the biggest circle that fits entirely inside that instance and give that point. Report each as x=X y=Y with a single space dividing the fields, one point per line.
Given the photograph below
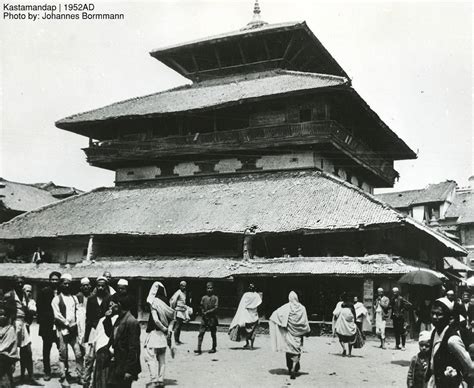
x=288 y=325
x=245 y=321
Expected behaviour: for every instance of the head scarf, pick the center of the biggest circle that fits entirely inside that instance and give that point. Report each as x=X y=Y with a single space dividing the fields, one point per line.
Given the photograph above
x=165 y=313
x=27 y=287
x=85 y=281
x=292 y=316
x=66 y=276
x=182 y=283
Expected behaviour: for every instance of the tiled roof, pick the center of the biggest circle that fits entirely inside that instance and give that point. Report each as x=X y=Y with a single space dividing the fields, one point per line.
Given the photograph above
x=217 y=268
x=273 y=202
x=23 y=197
x=462 y=207
x=238 y=33
x=231 y=90
x=436 y=192
x=453 y=263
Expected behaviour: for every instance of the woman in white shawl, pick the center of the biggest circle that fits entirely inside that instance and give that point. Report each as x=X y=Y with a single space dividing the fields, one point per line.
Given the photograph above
x=159 y=329
x=345 y=324
x=288 y=325
x=245 y=321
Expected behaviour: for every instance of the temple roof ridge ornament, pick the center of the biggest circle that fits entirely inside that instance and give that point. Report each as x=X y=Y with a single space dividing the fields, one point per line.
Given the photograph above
x=256 y=21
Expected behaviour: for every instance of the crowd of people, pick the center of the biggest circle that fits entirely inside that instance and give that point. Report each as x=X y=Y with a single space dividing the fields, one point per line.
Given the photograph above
x=446 y=334
x=100 y=325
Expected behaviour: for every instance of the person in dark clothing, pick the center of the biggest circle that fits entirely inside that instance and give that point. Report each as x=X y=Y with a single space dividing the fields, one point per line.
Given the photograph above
x=449 y=363
x=125 y=340
x=424 y=316
x=209 y=306
x=466 y=315
x=399 y=307
x=18 y=304
x=96 y=307
x=45 y=315
x=419 y=362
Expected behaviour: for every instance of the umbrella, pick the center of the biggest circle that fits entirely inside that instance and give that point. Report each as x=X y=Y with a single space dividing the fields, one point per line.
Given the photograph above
x=421 y=277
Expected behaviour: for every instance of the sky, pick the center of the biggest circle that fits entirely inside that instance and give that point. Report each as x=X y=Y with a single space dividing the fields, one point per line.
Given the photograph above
x=411 y=61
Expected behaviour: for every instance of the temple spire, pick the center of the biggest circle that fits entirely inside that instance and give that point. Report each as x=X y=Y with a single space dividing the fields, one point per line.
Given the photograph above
x=256 y=21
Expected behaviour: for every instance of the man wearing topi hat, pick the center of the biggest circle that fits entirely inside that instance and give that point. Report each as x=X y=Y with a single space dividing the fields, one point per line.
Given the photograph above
x=399 y=307
x=65 y=308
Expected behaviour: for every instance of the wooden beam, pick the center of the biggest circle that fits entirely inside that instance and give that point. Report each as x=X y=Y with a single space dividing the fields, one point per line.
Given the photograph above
x=219 y=64
x=289 y=46
x=196 y=66
x=177 y=65
x=241 y=65
x=298 y=53
x=267 y=51
x=90 y=249
x=244 y=59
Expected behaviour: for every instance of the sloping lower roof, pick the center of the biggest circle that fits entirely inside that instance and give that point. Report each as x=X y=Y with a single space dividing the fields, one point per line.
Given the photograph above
x=23 y=197
x=272 y=202
x=216 y=268
x=436 y=192
x=455 y=264
x=208 y=94
x=462 y=207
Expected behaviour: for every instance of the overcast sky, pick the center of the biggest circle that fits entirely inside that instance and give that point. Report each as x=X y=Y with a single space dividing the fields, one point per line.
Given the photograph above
x=411 y=61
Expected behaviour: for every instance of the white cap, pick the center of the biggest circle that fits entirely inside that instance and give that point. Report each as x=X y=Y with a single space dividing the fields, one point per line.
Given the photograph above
x=85 y=281
x=380 y=289
x=101 y=278
x=447 y=303
x=424 y=336
x=66 y=276
x=450 y=292
x=395 y=289
x=122 y=282
x=27 y=287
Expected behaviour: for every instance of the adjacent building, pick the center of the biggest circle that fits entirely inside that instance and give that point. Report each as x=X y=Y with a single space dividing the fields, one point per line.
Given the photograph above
x=261 y=169
x=443 y=206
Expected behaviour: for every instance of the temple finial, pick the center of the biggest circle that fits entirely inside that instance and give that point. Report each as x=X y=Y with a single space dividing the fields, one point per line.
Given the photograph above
x=256 y=21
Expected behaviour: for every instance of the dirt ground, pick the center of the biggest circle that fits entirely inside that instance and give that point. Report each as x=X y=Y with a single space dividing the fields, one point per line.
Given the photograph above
x=321 y=365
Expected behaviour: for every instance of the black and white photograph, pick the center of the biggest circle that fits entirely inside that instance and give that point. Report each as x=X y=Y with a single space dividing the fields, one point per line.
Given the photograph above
x=236 y=193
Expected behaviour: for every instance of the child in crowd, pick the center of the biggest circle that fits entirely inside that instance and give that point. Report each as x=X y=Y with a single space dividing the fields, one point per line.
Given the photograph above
x=419 y=362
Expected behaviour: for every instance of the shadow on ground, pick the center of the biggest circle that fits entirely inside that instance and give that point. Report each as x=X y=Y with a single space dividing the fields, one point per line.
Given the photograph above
x=283 y=371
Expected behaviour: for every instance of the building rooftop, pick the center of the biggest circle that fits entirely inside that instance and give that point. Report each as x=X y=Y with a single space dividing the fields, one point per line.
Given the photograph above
x=436 y=192
x=22 y=197
x=294 y=201
x=226 y=91
x=256 y=45
x=462 y=207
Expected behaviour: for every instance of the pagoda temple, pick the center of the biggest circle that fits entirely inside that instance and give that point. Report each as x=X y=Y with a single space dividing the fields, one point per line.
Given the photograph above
x=261 y=169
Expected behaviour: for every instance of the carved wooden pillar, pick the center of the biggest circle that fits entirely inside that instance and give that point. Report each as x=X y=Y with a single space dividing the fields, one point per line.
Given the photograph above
x=90 y=249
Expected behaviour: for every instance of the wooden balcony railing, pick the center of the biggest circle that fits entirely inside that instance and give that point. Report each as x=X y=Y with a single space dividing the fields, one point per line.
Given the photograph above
x=328 y=131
